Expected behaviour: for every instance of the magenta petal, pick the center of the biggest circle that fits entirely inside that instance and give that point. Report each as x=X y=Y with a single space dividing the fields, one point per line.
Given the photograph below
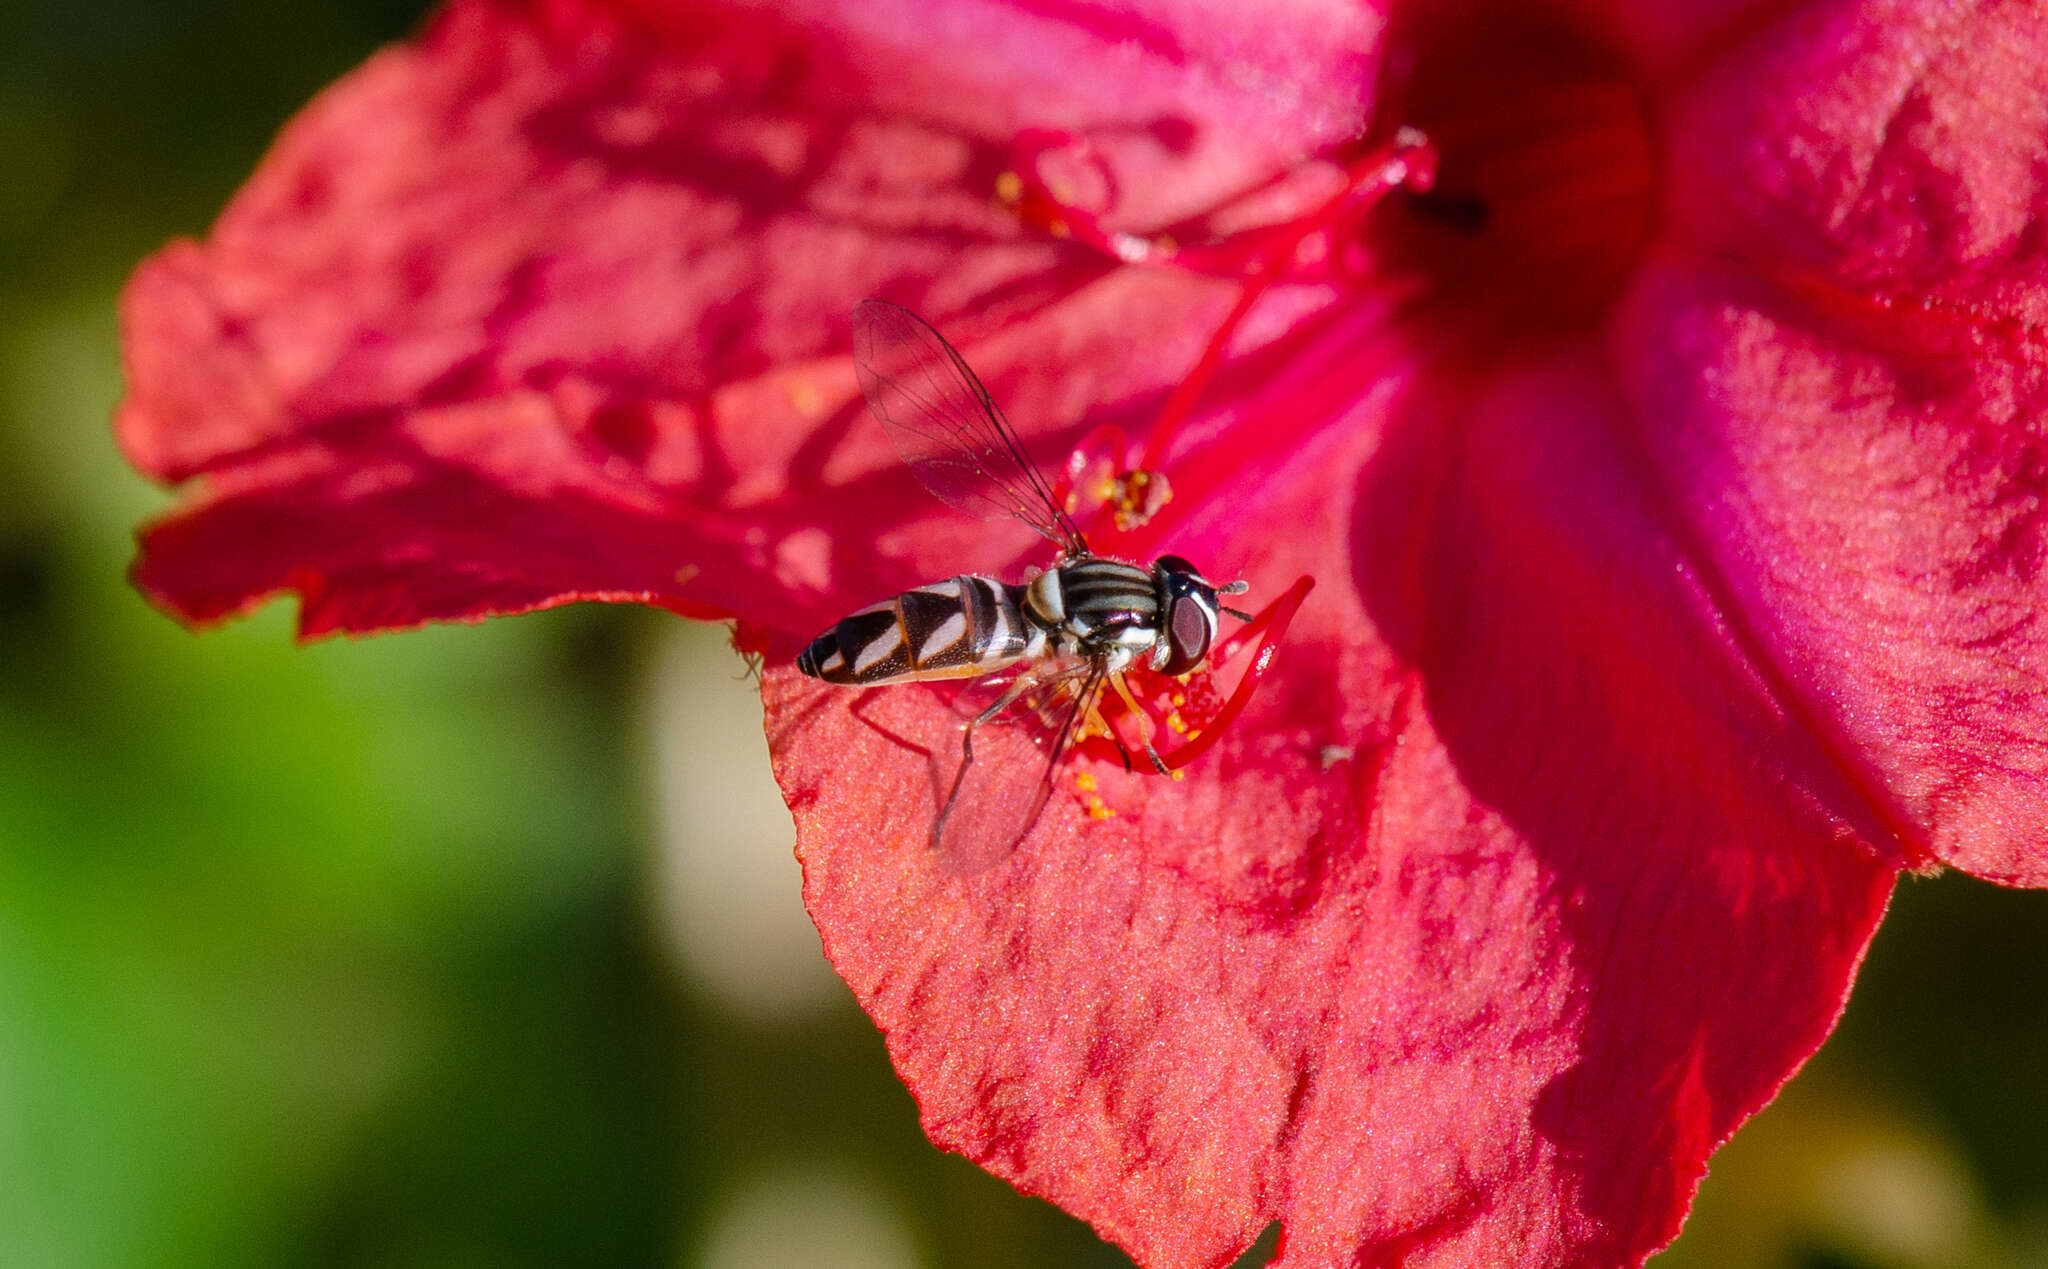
x=1596 y=939
x=1870 y=525
x=1840 y=376
x=1892 y=150
x=1547 y=850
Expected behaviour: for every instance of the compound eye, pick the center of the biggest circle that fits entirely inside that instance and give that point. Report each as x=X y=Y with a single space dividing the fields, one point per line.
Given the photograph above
x=1189 y=628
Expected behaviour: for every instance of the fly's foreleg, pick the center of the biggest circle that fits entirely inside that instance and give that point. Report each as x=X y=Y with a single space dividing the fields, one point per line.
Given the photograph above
x=1123 y=689
x=1101 y=724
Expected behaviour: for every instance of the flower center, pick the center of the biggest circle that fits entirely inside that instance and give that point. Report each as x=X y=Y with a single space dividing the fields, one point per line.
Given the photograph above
x=1507 y=208
x=1546 y=186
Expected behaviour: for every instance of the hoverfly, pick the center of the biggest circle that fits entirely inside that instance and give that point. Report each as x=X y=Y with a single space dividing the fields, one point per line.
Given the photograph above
x=1065 y=634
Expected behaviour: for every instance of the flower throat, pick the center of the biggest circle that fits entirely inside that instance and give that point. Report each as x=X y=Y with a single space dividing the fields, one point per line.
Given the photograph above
x=1506 y=210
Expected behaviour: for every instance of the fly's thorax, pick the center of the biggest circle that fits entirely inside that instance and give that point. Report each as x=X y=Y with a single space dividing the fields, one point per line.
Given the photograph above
x=1107 y=609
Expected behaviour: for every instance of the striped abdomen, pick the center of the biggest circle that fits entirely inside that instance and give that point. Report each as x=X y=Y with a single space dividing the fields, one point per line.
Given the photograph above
x=957 y=628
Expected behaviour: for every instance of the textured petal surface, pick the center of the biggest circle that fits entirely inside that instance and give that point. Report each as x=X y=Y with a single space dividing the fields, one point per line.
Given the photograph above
x=552 y=304
x=1547 y=851
x=1839 y=381
x=1472 y=939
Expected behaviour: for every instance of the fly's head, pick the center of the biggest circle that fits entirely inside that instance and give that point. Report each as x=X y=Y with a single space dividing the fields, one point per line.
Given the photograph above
x=1189 y=613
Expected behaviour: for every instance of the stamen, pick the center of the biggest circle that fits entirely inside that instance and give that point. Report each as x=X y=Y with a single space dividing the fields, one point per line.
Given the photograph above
x=1089 y=479
x=1256 y=258
x=1052 y=203
x=1267 y=628
x=1408 y=162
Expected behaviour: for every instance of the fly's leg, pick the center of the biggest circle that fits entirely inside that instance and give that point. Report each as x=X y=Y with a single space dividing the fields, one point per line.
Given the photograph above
x=1123 y=689
x=1121 y=751
x=1024 y=683
x=1101 y=724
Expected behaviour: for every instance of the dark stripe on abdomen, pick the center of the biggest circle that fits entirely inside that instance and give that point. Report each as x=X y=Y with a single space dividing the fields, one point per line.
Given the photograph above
x=866 y=647
x=952 y=629
x=938 y=624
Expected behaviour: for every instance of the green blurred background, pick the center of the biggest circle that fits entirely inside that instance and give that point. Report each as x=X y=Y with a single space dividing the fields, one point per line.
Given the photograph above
x=458 y=948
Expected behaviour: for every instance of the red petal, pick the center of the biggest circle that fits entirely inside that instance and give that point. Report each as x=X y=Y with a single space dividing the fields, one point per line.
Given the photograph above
x=550 y=304
x=1847 y=423
x=1533 y=867
x=1465 y=946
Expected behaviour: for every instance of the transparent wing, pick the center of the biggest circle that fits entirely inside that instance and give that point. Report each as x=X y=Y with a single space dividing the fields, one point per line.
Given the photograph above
x=999 y=792
x=947 y=427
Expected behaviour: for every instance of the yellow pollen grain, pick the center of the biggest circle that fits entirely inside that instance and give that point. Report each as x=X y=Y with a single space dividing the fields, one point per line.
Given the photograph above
x=1178 y=774
x=1009 y=186
x=1059 y=229
x=805 y=398
x=1097 y=810
x=1178 y=700
x=1085 y=781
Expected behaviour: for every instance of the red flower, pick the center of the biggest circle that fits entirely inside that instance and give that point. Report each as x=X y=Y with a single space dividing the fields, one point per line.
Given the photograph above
x=1672 y=477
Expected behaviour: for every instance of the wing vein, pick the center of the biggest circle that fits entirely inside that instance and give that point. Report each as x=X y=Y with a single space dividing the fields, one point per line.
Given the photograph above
x=948 y=428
